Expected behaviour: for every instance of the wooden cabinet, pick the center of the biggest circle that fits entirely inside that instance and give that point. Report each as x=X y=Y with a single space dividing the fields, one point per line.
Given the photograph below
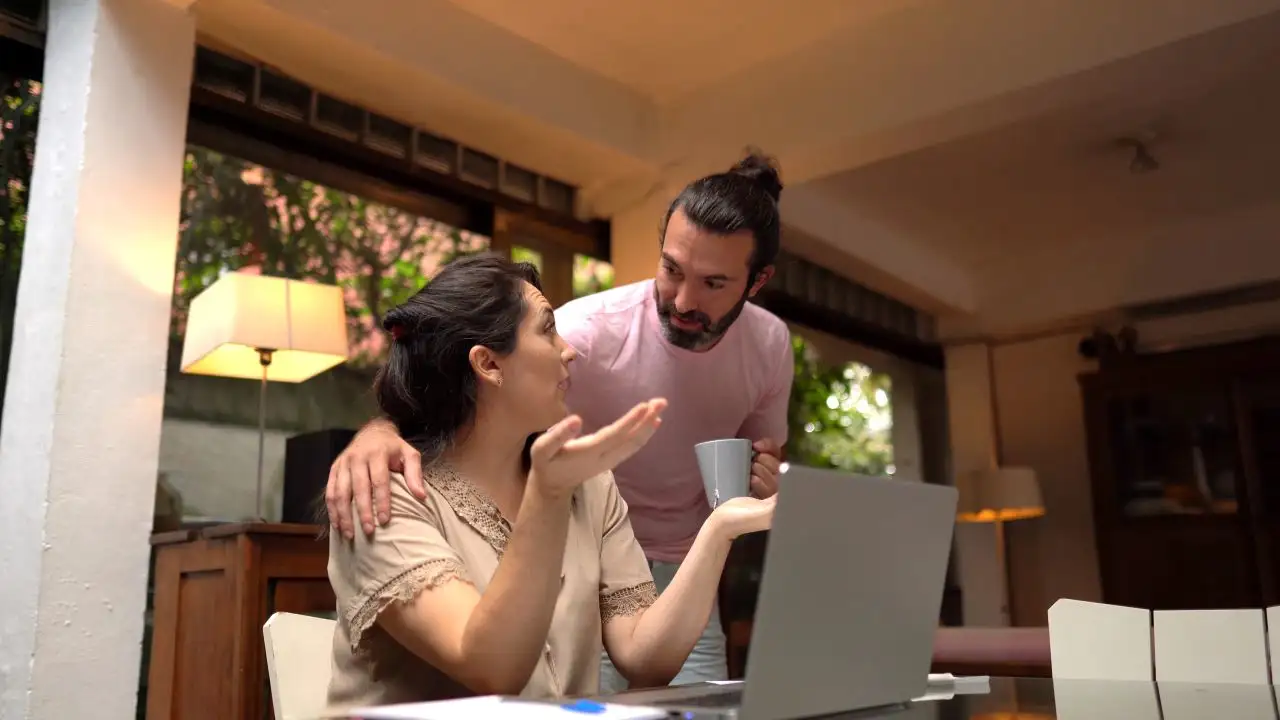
x=1185 y=461
x=214 y=589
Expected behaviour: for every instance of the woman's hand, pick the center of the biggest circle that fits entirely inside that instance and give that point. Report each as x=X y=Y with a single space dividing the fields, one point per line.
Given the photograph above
x=743 y=515
x=561 y=460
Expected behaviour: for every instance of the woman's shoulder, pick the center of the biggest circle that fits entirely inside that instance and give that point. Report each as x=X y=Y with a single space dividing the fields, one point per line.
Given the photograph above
x=405 y=500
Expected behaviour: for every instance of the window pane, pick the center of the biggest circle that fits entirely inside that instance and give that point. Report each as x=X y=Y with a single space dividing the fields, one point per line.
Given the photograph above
x=524 y=254
x=841 y=415
x=19 y=106
x=590 y=275
x=238 y=216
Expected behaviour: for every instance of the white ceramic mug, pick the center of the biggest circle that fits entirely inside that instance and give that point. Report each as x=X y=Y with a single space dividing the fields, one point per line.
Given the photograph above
x=726 y=469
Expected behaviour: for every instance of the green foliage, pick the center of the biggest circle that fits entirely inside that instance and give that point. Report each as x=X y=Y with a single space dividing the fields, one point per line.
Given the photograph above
x=590 y=276
x=525 y=255
x=839 y=417
x=238 y=215
x=19 y=113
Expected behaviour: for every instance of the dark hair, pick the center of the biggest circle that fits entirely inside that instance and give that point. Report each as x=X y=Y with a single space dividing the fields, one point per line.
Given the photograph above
x=744 y=198
x=427 y=386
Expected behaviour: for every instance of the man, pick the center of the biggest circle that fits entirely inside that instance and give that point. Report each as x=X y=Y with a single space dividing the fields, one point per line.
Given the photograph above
x=690 y=336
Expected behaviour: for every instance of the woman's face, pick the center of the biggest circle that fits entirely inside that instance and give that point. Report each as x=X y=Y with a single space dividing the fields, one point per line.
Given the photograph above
x=536 y=376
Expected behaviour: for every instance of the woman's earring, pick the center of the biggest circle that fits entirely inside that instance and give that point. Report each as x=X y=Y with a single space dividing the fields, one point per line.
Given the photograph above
x=499 y=381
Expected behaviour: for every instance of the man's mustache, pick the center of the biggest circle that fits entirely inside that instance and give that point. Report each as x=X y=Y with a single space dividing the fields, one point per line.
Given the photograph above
x=691 y=317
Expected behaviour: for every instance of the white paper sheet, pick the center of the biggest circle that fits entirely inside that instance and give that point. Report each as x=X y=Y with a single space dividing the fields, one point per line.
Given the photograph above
x=944 y=686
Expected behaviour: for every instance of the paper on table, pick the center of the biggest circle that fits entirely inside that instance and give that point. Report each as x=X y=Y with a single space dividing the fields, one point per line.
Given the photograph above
x=493 y=706
x=967 y=681
x=944 y=686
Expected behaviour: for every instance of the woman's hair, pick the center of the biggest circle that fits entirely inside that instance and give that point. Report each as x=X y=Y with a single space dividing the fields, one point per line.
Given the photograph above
x=744 y=198
x=427 y=386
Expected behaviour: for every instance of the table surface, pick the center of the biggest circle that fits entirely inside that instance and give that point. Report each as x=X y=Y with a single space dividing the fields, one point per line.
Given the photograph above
x=1045 y=699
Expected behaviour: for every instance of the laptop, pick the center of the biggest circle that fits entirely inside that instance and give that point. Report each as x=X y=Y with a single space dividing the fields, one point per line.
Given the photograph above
x=848 y=607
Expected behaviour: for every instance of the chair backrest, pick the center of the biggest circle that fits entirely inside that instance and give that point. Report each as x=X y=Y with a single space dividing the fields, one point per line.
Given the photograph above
x=299 y=662
x=1211 y=646
x=1273 y=642
x=1094 y=641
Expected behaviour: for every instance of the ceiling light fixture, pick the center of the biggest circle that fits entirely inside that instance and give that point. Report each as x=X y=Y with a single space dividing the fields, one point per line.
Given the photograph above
x=1143 y=161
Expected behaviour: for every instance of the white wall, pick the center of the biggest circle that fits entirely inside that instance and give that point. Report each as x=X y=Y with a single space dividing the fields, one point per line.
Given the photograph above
x=1041 y=420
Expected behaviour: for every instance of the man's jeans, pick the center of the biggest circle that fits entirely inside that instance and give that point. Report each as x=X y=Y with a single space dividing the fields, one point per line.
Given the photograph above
x=706 y=662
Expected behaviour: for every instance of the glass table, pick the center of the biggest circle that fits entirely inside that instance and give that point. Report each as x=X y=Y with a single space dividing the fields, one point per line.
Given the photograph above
x=1044 y=699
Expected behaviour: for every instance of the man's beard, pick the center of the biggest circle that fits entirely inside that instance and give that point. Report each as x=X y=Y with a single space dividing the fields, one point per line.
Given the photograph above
x=709 y=332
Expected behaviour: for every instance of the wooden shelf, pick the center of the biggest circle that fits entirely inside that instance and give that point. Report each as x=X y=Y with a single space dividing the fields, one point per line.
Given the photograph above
x=214 y=589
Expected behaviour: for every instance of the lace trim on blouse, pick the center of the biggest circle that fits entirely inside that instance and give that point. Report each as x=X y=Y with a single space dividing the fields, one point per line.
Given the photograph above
x=403 y=589
x=627 y=601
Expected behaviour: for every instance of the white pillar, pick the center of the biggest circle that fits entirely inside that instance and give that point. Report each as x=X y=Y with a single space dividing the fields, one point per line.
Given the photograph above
x=907 y=449
x=973 y=447
x=80 y=443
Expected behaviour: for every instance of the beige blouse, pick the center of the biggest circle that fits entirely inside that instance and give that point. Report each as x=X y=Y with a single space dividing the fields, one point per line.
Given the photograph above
x=458 y=533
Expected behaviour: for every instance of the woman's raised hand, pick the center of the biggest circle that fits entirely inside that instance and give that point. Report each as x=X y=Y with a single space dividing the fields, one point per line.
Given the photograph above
x=742 y=515
x=561 y=460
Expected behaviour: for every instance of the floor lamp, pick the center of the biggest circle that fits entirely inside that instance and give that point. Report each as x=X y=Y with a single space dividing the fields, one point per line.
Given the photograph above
x=263 y=328
x=999 y=495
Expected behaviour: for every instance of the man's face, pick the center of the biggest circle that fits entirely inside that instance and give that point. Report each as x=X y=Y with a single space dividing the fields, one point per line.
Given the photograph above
x=703 y=282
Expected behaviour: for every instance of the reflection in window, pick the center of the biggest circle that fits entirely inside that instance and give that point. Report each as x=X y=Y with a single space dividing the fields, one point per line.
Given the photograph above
x=590 y=275
x=238 y=216
x=1175 y=453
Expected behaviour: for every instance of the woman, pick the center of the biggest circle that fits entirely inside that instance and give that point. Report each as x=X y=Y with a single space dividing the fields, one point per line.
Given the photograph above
x=521 y=562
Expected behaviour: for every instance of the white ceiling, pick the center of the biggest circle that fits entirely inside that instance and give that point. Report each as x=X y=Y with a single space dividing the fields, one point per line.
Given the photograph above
x=667 y=48
x=1208 y=102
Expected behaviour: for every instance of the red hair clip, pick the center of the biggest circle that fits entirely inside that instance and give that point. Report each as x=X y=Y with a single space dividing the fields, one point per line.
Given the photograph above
x=397 y=331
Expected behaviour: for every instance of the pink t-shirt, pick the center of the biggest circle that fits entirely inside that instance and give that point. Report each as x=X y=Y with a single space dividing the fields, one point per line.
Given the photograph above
x=739 y=388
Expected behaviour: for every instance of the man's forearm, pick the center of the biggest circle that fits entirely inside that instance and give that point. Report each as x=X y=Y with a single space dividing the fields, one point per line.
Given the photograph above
x=507 y=630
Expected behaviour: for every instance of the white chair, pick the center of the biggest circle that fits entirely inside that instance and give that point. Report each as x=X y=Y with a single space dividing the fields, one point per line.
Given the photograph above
x=1211 y=646
x=1215 y=662
x=1273 y=639
x=299 y=656
x=1093 y=641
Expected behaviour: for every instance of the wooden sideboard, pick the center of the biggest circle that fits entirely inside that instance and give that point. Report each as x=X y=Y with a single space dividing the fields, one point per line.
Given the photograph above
x=214 y=589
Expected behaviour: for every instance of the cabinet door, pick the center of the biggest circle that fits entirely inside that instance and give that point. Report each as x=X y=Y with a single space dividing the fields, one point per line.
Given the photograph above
x=1258 y=415
x=1168 y=491
x=1174 y=453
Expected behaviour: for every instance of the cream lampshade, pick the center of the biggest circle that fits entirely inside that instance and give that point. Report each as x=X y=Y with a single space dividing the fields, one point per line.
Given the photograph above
x=265 y=328
x=302 y=324
x=999 y=494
